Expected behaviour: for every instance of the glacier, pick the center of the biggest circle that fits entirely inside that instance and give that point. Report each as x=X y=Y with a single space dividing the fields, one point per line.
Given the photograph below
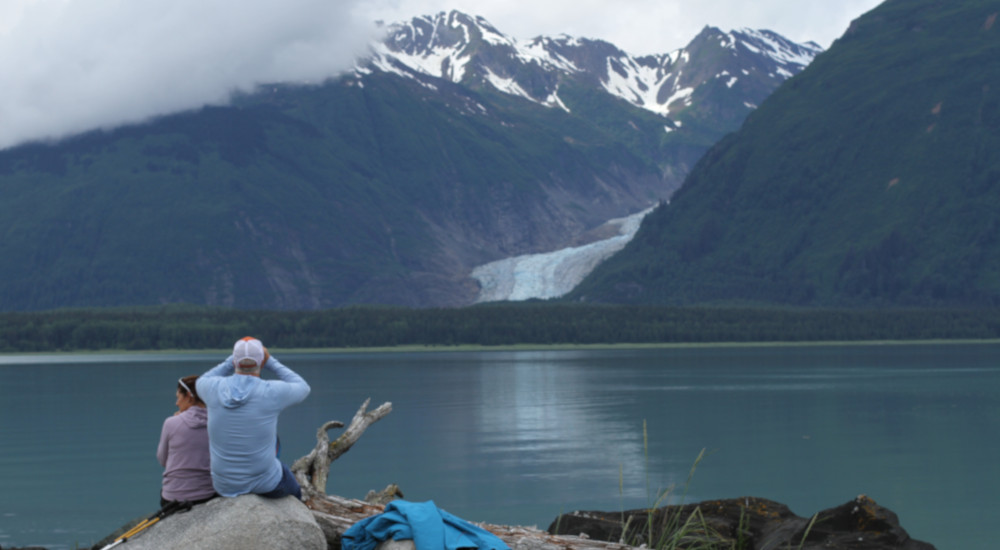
x=551 y=274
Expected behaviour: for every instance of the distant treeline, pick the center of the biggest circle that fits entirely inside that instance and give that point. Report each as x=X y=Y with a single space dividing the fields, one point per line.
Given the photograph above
x=182 y=327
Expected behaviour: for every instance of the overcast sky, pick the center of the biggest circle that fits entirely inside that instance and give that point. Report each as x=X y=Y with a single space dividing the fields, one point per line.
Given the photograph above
x=68 y=66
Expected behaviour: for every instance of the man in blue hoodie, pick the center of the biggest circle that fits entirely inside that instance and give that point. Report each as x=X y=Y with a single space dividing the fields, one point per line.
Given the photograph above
x=243 y=414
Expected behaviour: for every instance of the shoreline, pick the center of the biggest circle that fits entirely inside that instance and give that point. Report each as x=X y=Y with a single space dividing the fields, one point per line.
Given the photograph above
x=519 y=347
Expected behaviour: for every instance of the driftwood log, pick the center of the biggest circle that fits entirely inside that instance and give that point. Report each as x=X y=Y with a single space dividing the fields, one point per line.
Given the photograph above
x=337 y=514
x=312 y=470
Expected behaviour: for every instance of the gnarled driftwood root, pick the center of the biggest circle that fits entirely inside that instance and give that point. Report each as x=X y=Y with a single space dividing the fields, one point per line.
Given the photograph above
x=312 y=470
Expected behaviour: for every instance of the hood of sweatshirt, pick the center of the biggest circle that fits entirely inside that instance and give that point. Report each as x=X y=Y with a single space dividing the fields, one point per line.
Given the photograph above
x=195 y=417
x=236 y=390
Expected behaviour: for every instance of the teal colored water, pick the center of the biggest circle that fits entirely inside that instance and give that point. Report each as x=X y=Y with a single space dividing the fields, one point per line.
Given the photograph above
x=519 y=437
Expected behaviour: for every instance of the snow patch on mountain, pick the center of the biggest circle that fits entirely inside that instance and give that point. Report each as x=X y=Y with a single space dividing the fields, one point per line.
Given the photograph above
x=779 y=49
x=542 y=51
x=638 y=84
x=683 y=94
x=551 y=274
x=507 y=85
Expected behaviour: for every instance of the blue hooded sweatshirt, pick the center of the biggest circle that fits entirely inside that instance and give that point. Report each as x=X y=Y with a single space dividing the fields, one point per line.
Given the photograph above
x=243 y=424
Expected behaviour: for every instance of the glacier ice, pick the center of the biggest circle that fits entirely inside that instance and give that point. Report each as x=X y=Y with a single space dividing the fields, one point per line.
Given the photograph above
x=551 y=274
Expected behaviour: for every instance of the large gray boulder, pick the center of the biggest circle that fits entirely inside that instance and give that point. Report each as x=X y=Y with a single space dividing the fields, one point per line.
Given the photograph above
x=247 y=522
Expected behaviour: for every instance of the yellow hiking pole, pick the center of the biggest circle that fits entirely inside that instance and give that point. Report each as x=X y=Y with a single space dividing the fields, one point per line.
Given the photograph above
x=169 y=508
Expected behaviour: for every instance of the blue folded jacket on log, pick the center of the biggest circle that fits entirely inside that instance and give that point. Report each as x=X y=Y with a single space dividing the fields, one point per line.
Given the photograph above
x=429 y=527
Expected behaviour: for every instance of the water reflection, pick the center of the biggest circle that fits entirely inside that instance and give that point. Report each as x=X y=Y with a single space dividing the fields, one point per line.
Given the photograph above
x=551 y=420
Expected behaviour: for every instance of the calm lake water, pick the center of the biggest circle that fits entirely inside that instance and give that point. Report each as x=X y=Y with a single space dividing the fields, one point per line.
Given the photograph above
x=517 y=437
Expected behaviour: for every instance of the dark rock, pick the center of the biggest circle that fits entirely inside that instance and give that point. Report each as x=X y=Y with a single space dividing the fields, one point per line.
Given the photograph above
x=861 y=523
x=749 y=524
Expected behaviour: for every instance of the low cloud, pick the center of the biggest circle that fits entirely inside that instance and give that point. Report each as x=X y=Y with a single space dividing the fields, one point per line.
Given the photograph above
x=68 y=66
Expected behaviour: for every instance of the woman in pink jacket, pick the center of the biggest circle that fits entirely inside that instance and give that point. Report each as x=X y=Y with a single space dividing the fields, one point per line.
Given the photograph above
x=183 y=449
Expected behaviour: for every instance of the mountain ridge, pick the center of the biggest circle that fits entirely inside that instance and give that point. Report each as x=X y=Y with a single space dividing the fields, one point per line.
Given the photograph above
x=469 y=50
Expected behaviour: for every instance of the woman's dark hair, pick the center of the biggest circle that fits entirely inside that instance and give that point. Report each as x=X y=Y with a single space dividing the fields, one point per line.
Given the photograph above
x=186 y=385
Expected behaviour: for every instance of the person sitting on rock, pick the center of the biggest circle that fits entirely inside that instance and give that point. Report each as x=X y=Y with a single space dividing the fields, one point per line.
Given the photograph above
x=183 y=449
x=243 y=414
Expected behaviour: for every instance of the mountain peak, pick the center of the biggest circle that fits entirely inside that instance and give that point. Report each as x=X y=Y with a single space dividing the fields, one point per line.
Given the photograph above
x=447 y=30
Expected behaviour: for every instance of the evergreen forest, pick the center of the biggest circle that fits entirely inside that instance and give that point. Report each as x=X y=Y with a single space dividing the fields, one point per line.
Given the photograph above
x=502 y=324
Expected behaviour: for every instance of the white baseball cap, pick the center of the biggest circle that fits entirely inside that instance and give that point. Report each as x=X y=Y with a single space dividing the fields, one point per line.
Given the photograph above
x=248 y=354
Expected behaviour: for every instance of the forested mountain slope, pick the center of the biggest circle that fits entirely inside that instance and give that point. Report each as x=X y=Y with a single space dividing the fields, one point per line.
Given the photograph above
x=870 y=179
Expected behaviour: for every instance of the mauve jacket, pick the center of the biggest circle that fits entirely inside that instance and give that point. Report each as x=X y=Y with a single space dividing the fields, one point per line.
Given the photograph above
x=183 y=452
